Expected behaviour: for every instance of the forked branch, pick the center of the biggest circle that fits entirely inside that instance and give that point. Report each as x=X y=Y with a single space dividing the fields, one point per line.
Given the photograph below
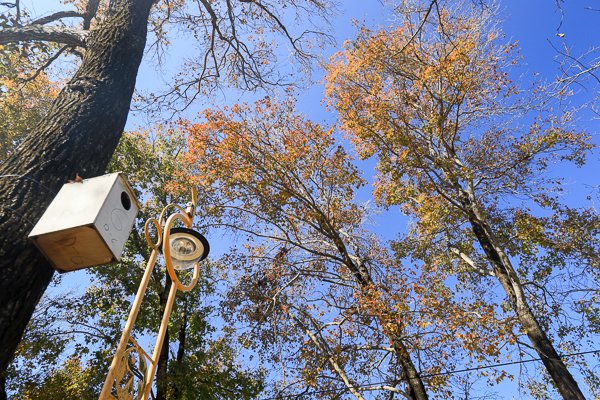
x=87 y=15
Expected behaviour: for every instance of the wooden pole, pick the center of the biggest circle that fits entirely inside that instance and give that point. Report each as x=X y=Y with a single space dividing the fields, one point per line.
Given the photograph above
x=159 y=341
x=104 y=395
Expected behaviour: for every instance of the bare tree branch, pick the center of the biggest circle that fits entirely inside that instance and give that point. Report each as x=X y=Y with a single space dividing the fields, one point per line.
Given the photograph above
x=420 y=28
x=87 y=15
x=481 y=270
x=57 y=16
x=281 y=26
x=91 y=9
x=68 y=36
x=46 y=65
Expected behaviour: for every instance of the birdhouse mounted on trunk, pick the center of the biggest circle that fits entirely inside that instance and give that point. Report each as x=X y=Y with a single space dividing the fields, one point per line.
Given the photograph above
x=87 y=223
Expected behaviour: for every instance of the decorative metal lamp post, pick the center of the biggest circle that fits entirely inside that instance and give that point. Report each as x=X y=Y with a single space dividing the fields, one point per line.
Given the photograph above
x=183 y=249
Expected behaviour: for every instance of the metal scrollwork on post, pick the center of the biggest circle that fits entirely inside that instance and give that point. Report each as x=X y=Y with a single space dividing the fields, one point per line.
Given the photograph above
x=127 y=368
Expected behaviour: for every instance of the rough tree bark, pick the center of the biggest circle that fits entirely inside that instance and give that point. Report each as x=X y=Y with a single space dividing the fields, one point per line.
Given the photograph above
x=78 y=135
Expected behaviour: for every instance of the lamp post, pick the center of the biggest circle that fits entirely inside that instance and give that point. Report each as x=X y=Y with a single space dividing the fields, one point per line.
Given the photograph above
x=183 y=248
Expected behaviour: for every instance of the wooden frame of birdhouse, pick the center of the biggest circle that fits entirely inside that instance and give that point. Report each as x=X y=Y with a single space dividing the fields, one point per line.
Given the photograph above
x=87 y=223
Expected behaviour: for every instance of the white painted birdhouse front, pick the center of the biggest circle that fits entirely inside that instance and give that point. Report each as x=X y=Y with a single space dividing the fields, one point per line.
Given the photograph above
x=87 y=223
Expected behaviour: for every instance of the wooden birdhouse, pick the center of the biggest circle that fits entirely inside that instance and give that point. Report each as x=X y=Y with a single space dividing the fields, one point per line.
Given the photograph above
x=87 y=223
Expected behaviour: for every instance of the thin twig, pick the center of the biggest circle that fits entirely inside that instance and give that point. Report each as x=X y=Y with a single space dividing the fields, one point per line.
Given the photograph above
x=46 y=65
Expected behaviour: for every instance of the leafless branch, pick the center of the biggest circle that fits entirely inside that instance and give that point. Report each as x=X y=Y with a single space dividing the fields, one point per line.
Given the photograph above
x=57 y=16
x=281 y=26
x=233 y=47
x=481 y=270
x=87 y=15
x=91 y=9
x=68 y=36
x=562 y=13
x=569 y=64
x=383 y=387
x=46 y=65
x=420 y=28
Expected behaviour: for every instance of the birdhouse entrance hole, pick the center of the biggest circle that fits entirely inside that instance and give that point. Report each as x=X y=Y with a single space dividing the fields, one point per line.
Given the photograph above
x=125 y=201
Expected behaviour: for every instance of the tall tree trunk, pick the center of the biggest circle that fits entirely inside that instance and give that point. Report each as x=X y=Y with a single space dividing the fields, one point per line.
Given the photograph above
x=363 y=277
x=182 y=329
x=565 y=383
x=163 y=359
x=78 y=135
x=416 y=388
x=181 y=338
